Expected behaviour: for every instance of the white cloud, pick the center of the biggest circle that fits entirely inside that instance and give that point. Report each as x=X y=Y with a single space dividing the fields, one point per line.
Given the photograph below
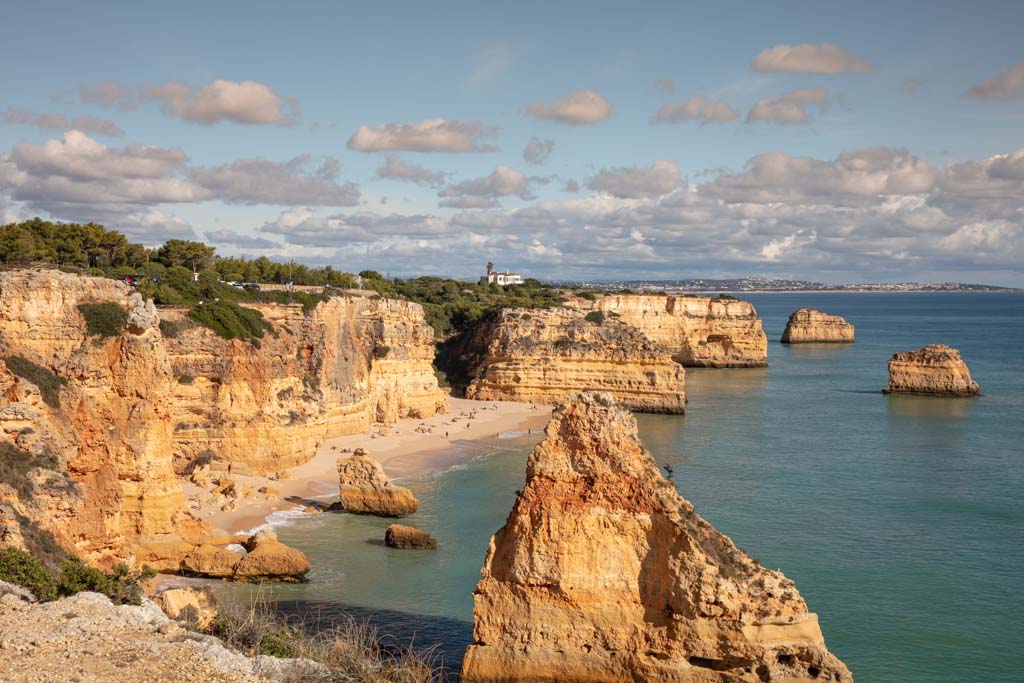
x=790 y=107
x=697 y=107
x=579 y=107
x=826 y=58
x=655 y=180
x=246 y=102
x=237 y=239
x=431 y=135
x=537 y=151
x=503 y=181
x=261 y=181
x=396 y=169
x=302 y=226
x=18 y=116
x=1006 y=85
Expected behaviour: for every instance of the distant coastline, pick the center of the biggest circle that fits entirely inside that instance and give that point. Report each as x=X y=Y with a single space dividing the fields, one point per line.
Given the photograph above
x=777 y=286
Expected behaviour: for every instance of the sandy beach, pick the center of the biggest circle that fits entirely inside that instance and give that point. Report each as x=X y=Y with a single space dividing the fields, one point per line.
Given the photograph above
x=409 y=448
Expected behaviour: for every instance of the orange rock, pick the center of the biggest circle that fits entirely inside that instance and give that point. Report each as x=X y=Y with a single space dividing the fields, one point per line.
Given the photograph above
x=195 y=607
x=936 y=370
x=365 y=488
x=210 y=560
x=603 y=572
x=808 y=325
x=269 y=559
x=402 y=537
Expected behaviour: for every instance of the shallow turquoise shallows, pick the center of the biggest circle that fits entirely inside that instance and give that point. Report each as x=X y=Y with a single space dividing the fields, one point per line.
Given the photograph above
x=901 y=519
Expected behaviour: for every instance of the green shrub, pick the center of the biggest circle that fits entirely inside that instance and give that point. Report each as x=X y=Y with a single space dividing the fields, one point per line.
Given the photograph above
x=122 y=585
x=49 y=384
x=15 y=465
x=186 y=379
x=230 y=321
x=589 y=296
x=381 y=351
x=596 y=317
x=172 y=328
x=18 y=567
x=105 y=319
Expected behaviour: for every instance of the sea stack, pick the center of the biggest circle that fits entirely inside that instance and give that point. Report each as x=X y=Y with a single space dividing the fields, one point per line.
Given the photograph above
x=365 y=489
x=603 y=572
x=405 y=537
x=808 y=325
x=935 y=370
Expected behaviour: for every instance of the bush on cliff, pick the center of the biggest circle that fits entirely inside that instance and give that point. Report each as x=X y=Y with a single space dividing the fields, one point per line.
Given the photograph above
x=105 y=319
x=20 y=568
x=49 y=383
x=122 y=586
x=230 y=321
x=596 y=317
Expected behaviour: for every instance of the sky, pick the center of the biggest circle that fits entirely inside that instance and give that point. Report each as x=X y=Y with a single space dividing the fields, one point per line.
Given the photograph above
x=839 y=142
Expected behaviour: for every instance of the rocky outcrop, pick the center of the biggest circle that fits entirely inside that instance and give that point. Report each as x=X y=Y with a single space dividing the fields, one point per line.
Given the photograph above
x=603 y=572
x=407 y=537
x=195 y=608
x=935 y=370
x=698 y=331
x=365 y=489
x=545 y=355
x=333 y=370
x=269 y=559
x=808 y=325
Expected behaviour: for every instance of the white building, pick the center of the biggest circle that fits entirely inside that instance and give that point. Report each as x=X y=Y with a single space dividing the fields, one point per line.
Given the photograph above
x=497 y=277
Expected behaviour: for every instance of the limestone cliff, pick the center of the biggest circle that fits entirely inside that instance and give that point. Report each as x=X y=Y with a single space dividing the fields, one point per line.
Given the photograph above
x=808 y=325
x=936 y=370
x=603 y=572
x=544 y=355
x=699 y=331
x=348 y=362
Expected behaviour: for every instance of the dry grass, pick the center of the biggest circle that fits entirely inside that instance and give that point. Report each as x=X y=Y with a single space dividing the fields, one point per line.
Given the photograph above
x=349 y=651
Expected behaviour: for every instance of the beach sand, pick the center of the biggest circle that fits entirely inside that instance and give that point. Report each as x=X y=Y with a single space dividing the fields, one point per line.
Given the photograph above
x=403 y=451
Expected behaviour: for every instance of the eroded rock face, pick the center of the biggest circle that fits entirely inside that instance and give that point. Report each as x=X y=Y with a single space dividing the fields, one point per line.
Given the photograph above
x=698 y=331
x=196 y=608
x=545 y=355
x=935 y=370
x=407 y=537
x=269 y=559
x=808 y=325
x=365 y=488
x=603 y=572
x=332 y=371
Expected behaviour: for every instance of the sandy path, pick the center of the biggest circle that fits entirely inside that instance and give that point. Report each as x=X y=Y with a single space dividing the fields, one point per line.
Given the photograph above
x=404 y=452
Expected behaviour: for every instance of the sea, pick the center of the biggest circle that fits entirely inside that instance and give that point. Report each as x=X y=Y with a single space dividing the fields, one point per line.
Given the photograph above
x=900 y=518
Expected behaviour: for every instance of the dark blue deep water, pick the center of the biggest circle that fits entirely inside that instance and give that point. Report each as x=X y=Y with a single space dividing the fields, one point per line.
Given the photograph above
x=900 y=518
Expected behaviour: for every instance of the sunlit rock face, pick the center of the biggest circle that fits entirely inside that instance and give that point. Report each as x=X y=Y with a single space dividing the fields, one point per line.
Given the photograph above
x=808 y=325
x=545 y=355
x=603 y=572
x=935 y=370
x=698 y=331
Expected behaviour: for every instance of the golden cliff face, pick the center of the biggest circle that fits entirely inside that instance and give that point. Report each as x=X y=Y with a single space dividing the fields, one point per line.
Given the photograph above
x=347 y=363
x=699 y=331
x=106 y=425
x=936 y=370
x=603 y=572
x=545 y=355
x=808 y=325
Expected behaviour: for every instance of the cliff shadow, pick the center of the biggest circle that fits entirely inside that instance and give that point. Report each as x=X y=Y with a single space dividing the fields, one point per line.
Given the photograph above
x=443 y=639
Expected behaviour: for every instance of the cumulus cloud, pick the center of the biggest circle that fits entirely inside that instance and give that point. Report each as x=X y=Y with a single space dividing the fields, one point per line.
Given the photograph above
x=790 y=107
x=431 y=135
x=302 y=226
x=261 y=181
x=579 y=107
x=246 y=102
x=826 y=58
x=655 y=180
x=237 y=239
x=396 y=169
x=1006 y=85
x=696 y=108
x=503 y=181
x=537 y=151
x=18 y=116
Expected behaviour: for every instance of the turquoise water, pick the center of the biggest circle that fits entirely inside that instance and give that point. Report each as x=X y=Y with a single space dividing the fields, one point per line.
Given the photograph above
x=900 y=518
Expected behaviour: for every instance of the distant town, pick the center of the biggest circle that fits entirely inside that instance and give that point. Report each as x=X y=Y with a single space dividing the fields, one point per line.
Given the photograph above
x=763 y=284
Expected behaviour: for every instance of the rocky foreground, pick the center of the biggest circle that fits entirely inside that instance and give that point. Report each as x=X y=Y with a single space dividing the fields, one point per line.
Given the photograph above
x=935 y=370
x=603 y=572
x=809 y=325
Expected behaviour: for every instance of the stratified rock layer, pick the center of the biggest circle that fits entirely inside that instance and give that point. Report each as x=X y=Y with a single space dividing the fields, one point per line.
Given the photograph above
x=698 y=331
x=808 y=325
x=935 y=370
x=603 y=572
x=545 y=355
x=365 y=489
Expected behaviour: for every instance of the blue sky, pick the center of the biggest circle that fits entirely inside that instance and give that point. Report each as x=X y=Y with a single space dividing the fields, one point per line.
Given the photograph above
x=866 y=159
